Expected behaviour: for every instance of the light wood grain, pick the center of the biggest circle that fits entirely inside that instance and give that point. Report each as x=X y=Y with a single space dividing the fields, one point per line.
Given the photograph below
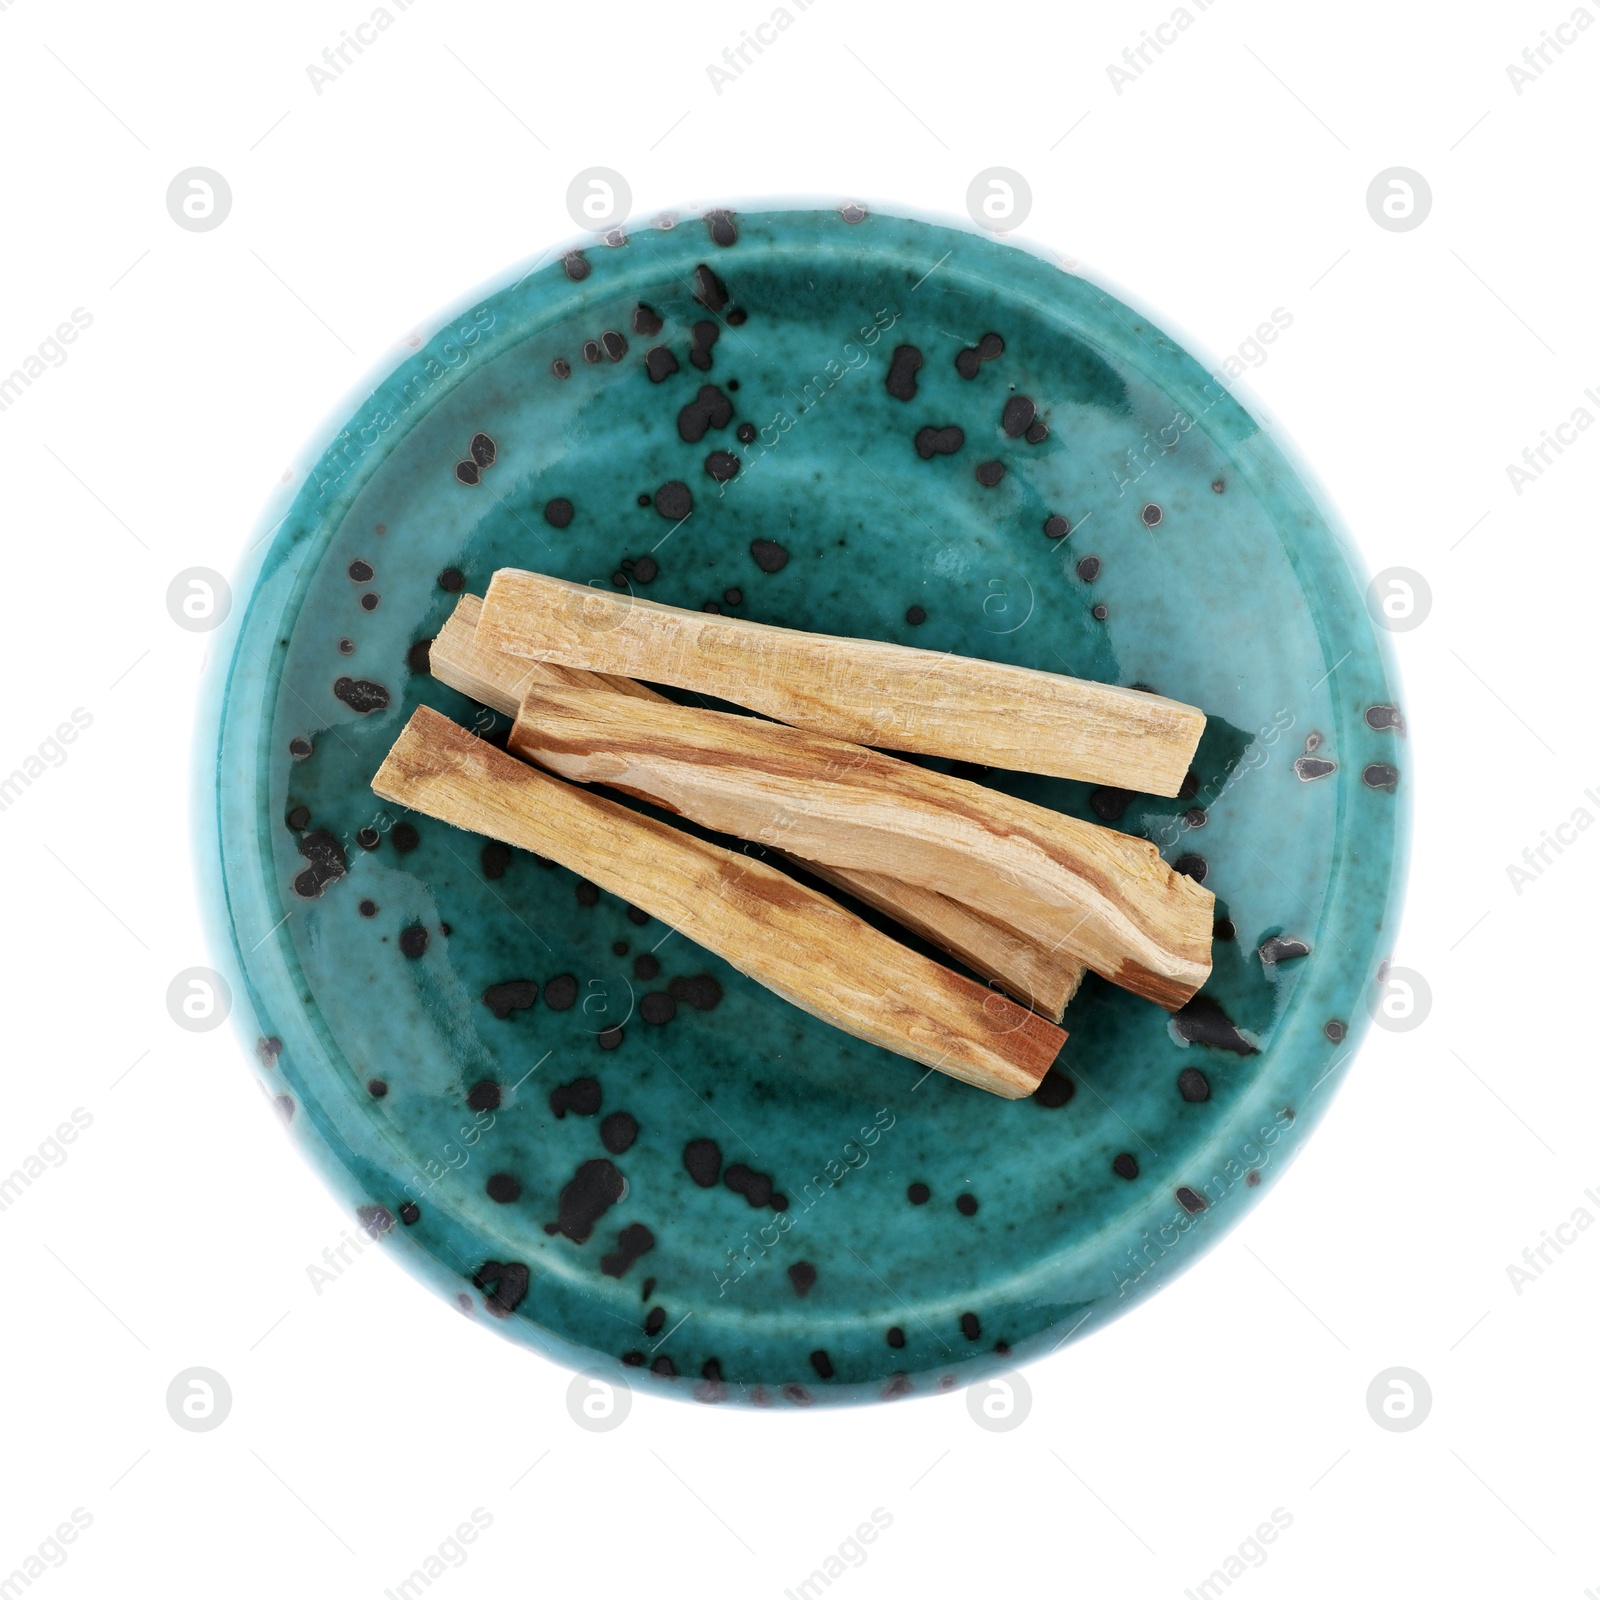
x=496 y=679
x=1042 y=978
x=1099 y=896
x=862 y=690
x=797 y=942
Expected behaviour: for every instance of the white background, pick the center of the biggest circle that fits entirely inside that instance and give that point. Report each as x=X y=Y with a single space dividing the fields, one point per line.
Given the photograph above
x=1229 y=179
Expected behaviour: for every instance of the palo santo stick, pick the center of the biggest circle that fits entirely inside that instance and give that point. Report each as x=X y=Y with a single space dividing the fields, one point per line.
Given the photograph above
x=1039 y=977
x=496 y=679
x=799 y=943
x=871 y=693
x=1097 y=895
x=1042 y=978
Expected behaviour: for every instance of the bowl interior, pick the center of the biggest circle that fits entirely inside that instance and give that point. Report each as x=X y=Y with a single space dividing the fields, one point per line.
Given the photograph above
x=775 y=472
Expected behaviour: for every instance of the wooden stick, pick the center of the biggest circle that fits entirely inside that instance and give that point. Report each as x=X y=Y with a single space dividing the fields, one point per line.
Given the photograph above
x=1099 y=896
x=862 y=690
x=799 y=943
x=496 y=679
x=1039 y=977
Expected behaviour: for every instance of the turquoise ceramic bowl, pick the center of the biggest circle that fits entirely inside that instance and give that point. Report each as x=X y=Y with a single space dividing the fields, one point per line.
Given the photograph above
x=735 y=1201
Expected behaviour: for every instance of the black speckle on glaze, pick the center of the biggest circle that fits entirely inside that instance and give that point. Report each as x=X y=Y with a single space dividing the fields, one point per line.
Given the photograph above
x=592 y=351
x=576 y=265
x=503 y=1285
x=822 y=1364
x=1037 y=433
x=361 y=694
x=646 y=967
x=368 y=908
x=702 y=1160
x=1017 y=417
x=368 y=838
x=631 y=1244
x=916 y=616
x=702 y=336
x=581 y=1097
x=300 y=747
x=986 y=349
x=1224 y=929
x=618 y=1131
x=702 y=991
x=756 y=1187
x=561 y=992
x=660 y=363
x=558 y=512
x=1055 y=1089
x=967 y=1204
x=1380 y=718
x=561 y=367
x=673 y=500
x=970 y=1325
x=1380 y=775
x=645 y=569
x=896 y=1338
x=369 y=601
x=1109 y=804
x=1335 y=1030
x=404 y=838
x=710 y=408
x=646 y=320
x=931 y=442
x=1193 y=1085
x=1089 y=568
x=655 y=1320
x=918 y=1194
x=723 y=232
x=614 y=345
x=360 y=571
x=377 y=1088
x=595 y=1187
x=1151 y=516
x=1125 y=1166
x=452 y=580
x=494 y=858
x=1280 y=947
x=1309 y=768
x=1202 y=1021
x=1189 y=1199
x=586 y=893
x=504 y=998
x=904 y=365
x=709 y=289
x=1056 y=526
x=417 y=657
x=410 y=1212
x=769 y=555
x=299 y=817
x=503 y=1188
x=1192 y=866
x=801 y=1277
x=657 y=1008
x=609 y=1038
x=989 y=473
x=327 y=863
x=484 y=1095
x=722 y=465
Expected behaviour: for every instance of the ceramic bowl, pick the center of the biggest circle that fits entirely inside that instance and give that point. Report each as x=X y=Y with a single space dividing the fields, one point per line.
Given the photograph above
x=602 y=1141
